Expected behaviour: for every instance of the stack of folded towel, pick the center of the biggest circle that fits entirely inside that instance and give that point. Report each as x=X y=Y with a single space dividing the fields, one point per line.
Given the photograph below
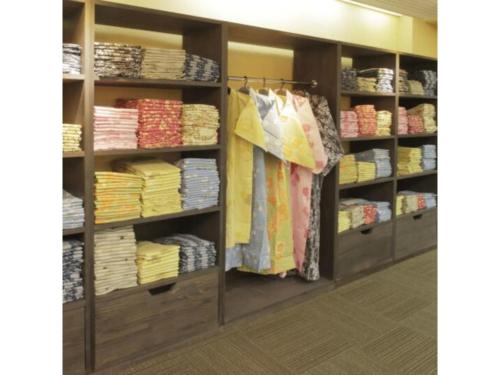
x=429 y=157
x=162 y=63
x=380 y=157
x=415 y=124
x=156 y=261
x=199 y=68
x=402 y=121
x=114 y=260
x=348 y=124
x=427 y=112
x=115 y=128
x=348 y=79
x=367 y=119
x=384 y=123
x=344 y=220
x=72 y=270
x=383 y=76
x=73 y=215
x=200 y=183
x=411 y=201
x=200 y=123
x=72 y=136
x=416 y=87
x=409 y=160
x=348 y=172
x=366 y=84
x=354 y=212
x=367 y=171
x=428 y=78
x=430 y=200
x=72 y=58
x=383 y=211
x=117 y=60
x=404 y=87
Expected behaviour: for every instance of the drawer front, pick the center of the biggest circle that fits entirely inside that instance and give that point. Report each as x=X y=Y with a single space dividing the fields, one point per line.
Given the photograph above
x=74 y=340
x=360 y=251
x=415 y=233
x=131 y=325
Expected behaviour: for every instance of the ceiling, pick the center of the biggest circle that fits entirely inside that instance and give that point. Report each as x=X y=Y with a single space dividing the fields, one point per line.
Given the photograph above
x=423 y=9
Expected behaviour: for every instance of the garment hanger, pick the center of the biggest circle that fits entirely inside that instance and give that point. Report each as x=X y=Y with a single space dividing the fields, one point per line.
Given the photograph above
x=264 y=90
x=281 y=90
x=244 y=89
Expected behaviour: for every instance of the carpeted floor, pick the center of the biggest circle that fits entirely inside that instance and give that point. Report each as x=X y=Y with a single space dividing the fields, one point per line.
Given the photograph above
x=382 y=324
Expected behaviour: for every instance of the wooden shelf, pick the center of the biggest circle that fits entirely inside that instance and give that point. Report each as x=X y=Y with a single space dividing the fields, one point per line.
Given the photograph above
x=73 y=154
x=418 y=212
x=365 y=227
x=415 y=175
x=419 y=135
x=153 y=219
x=368 y=94
x=369 y=138
x=413 y=96
x=366 y=183
x=68 y=306
x=147 y=151
x=69 y=232
x=154 y=83
x=69 y=78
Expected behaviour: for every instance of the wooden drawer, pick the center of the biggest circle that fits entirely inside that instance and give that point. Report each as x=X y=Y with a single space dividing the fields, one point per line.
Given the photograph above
x=416 y=232
x=361 y=250
x=134 y=324
x=74 y=338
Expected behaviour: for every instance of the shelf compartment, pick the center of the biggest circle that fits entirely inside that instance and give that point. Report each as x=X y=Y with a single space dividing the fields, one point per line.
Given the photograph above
x=146 y=320
x=363 y=228
x=416 y=175
x=415 y=232
x=74 y=337
x=366 y=183
x=368 y=138
x=146 y=151
x=154 y=83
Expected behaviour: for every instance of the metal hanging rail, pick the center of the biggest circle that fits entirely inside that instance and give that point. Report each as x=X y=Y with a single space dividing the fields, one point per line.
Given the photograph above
x=313 y=83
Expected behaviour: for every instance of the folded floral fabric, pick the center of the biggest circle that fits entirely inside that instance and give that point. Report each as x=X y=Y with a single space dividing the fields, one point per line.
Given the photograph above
x=430 y=200
x=72 y=270
x=428 y=78
x=410 y=201
x=162 y=63
x=380 y=157
x=116 y=197
x=416 y=87
x=409 y=160
x=427 y=113
x=366 y=84
x=115 y=128
x=117 y=60
x=403 y=121
x=399 y=204
x=355 y=214
x=348 y=172
x=415 y=124
x=367 y=171
x=200 y=183
x=200 y=124
x=384 y=212
x=348 y=124
x=72 y=136
x=428 y=157
x=160 y=183
x=199 y=68
x=383 y=76
x=73 y=214
x=72 y=58
x=114 y=260
x=344 y=221
x=384 y=123
x=159 y=121
x=348 y=79
x=367 y=119
x=404 y=87
x=156 y=261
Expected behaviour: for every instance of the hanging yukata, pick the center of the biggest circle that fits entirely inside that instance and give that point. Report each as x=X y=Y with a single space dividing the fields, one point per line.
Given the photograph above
x=334 y=151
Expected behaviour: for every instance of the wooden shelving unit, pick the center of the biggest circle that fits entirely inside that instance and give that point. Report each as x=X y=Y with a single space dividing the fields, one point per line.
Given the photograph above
x=104 y=331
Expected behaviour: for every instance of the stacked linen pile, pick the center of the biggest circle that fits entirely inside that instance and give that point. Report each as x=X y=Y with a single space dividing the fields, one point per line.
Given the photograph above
x=367 y=119
x=115 y=128
x=404 y=87
x=384 y=123
x=355 y=211
x=73 y=215
x=199 y=68
x=416 y=87
x=200 y=123
x=430 y=200
x=383 y=77
x=72 y=136
x=410 y=201
x=156 y=261
x=114 y=260
x=116 y=197
x=380 y=157
x=200 y=183
x=383 y=211
x=344 y=220
x=409 y=160
x=348 y=79
x=72 y=58
x=366 y=84
x=367 y=171
x=428 y=157
x=428 y=78
x=427 y=112
x=348 y=172
x=369 y=209
x=72 y=270
x=348 y=124
x=160 y=185
x=402 y=121
x=195 y=253
x=162 y=63
x=399 y=204
x=159 y=121
x=415 y=124
x=117 y=60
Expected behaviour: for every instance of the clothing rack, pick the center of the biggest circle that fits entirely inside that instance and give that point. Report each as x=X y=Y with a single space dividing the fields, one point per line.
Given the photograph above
x=313 y=83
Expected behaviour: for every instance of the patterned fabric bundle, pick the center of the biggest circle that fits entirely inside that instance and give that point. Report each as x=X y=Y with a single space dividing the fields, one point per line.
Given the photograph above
x=369 y=209
x=72 y=136
x=200 y=123
x=384 y=123
x=115 y=128
x=156 y=261
x=348 y=124
x=72 y=270
x=72 y=58
x=428 y=78
x=116 y=197
x=404 y=87
x=383 y=211
x=348 y=79
x=416 y=87
x=384 y=77
x=409 y=160
x=366 y=84
x=355 y=212
x=430 y=200
x=399 y=204
x=114 y=260
x=159 y=121
x=427 y=113
x=403 y=121
x=73 y=215
x=160 y=185
x=348 y=172
x=117 y=60
x=344 y=220
x=195 y=253
x=415 y=124
x=366 y=171
x=162 y=63
x=380 y=157
x=410 y=201
x=199 y=68
x=200 y=183
x=429 y=157
x=367 y=119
